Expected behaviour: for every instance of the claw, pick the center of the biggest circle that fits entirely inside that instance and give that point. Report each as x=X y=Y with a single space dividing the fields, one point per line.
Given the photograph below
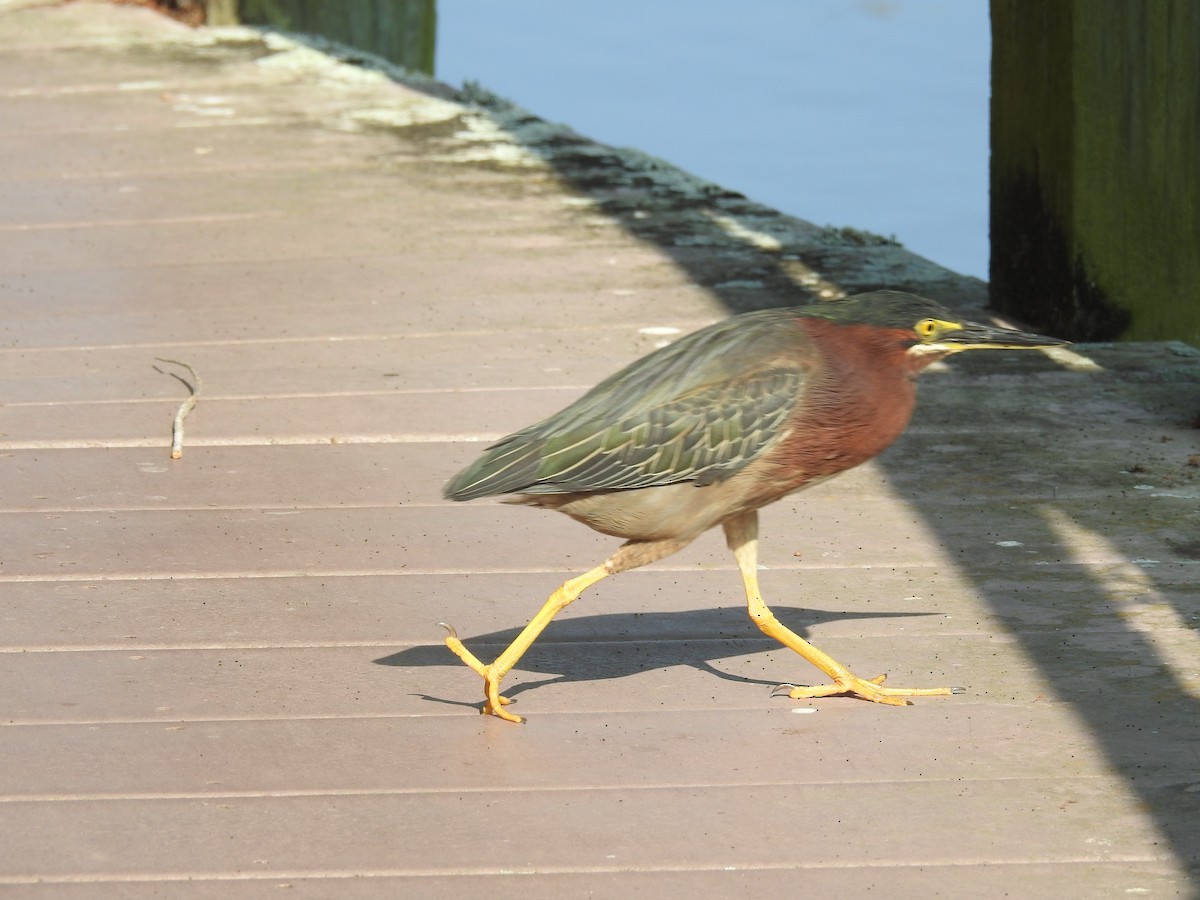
x=449 y=629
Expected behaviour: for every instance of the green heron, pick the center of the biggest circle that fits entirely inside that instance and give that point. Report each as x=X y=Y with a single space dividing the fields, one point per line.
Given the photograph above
x=707 y=430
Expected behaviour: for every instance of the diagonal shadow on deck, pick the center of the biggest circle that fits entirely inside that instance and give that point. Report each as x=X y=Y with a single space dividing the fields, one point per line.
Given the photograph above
x=724 y=243
x=748 y=257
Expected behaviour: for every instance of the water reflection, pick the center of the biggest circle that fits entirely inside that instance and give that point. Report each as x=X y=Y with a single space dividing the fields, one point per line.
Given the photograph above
x=403 y=31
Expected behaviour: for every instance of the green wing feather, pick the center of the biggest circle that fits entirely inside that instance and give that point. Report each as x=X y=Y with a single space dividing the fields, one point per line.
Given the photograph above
x=698 y=410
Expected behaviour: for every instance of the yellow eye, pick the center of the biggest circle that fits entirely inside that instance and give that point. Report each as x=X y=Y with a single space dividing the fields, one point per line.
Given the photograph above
x=927 y=329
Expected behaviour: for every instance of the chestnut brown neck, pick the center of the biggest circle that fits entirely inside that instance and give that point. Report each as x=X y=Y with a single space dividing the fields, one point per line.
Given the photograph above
x=859 y=398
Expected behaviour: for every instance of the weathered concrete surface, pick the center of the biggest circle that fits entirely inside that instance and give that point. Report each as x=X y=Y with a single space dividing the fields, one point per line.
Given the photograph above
x=222 y=674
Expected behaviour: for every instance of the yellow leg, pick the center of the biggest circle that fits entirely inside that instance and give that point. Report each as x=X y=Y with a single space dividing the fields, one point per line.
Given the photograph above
x=629 y=556
x=742 y=535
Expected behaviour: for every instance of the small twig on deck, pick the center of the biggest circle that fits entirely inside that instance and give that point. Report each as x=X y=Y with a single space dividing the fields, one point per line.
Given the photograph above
x=185 y=407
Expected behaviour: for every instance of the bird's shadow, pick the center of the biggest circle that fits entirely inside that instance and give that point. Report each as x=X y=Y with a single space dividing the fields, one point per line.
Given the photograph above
x=616 y=645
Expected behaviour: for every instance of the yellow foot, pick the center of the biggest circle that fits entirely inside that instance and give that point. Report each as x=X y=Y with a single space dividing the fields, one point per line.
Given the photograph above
x=867 y=689
x=493 y=703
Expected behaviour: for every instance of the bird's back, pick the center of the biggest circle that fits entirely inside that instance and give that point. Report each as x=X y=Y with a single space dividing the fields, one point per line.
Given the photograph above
x=697 y=410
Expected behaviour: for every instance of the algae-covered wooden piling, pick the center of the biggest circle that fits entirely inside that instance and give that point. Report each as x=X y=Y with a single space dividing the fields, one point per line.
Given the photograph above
x=1095 y=177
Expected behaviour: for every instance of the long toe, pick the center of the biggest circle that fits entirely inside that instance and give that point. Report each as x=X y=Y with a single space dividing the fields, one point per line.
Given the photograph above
x=866 y=689
x=500 y=712
x=493 y=704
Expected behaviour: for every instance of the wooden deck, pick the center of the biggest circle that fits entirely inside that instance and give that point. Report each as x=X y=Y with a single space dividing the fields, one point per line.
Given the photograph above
x=222 y=674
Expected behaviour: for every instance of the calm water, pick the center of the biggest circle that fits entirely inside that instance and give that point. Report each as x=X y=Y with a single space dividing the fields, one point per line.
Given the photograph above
x=870 y=113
